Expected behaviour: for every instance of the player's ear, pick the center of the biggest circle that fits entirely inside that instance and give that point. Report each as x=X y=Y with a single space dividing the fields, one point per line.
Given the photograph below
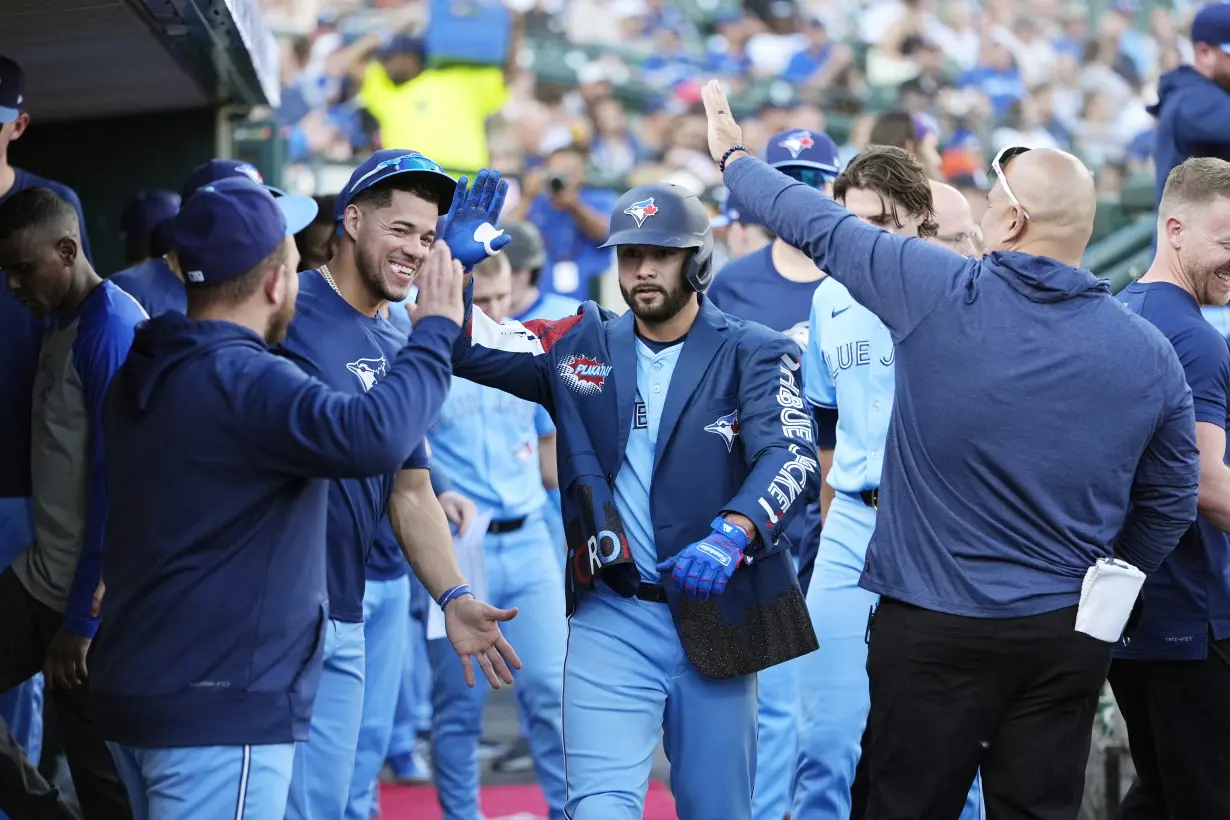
x=351 y=219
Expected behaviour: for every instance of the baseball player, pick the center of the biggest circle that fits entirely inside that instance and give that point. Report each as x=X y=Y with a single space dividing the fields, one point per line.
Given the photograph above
x=774 y=286
x=157 y=283
x=388 y=213
x=488 y=443
x=684 y=451
x=216 y=607
x=528 y=257
x=146 y=225
x=48 y=607
x=848 y=376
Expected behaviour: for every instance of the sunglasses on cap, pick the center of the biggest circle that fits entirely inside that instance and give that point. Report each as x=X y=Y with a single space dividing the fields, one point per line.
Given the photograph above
x=812 y=177
x=998 y=165
x=407 y=162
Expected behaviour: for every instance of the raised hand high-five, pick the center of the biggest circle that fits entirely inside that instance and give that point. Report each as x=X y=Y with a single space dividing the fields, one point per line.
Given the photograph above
x=724 y=133
x=469 y=228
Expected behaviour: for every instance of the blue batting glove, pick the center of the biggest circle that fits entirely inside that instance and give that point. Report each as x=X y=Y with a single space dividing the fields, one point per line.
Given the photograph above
x=702 y=569
x=469 y=228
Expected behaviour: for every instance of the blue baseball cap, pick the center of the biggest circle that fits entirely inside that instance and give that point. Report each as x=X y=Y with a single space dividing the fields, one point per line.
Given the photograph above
x=732 y=212
x=391 y=162
x=801 y=148
x=143 y=216
x=227 y=227
x=1211 y=25
x=298 y=208
x=12 y=90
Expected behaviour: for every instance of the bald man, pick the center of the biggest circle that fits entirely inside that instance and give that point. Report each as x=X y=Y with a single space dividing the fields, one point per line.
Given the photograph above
x=954 y=219
x=1002 y=484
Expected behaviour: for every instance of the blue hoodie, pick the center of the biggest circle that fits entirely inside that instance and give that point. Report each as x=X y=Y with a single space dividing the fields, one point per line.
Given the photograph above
x=1193 y=120
x=1038 y=423
x=214 y=561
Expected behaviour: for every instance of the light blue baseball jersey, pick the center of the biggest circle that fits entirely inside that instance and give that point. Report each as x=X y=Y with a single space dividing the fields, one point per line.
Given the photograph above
x=549 y=306
x=486 y=442
x=655 y=364
x=848 y=366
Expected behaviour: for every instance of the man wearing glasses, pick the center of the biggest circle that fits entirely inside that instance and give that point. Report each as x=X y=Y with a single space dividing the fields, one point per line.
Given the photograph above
x=1002 y=484
x=954 y=220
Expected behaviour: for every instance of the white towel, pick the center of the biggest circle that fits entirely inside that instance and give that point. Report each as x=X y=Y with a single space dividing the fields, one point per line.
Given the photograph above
x=1107 y=596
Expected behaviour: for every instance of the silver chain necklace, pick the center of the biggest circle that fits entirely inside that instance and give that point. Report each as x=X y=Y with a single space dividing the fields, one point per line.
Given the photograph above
x=328 y=277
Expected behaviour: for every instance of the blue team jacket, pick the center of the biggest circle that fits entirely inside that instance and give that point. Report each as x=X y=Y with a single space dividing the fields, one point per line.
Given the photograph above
x=732 y=375
x=215 y=609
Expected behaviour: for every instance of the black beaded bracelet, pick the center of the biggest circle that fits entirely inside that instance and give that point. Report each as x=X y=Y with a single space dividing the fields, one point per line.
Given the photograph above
x=726 y=156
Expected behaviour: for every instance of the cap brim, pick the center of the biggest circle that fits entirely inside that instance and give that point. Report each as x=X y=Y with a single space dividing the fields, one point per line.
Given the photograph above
x=1224 y=47
x=720 y=221
x=298 y=210
x=8 y=115
x=830 y=170
x=657 y=239
x=441 y=184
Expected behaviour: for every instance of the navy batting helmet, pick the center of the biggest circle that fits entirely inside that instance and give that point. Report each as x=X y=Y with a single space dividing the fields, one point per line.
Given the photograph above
x=666 y=216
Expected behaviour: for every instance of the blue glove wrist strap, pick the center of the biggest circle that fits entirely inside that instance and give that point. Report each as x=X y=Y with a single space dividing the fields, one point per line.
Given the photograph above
x=731 y=531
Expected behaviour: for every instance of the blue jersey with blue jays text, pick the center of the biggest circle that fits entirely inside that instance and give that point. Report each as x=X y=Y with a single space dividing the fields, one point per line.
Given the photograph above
x=848 y=367
x=155 y=286
x=348 y=351
x=1189 y=594
x=655 y=364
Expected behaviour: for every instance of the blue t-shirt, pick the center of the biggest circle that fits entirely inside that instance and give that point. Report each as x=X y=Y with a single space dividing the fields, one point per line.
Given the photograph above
x=21 y=333
x=549 y=306
x=573 y=259
x=751 y=288
x=1190 y=592
x=348 y=351
x=155 y=286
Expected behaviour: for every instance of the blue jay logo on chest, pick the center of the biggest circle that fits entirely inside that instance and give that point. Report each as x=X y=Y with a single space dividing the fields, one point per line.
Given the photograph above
x=640 y=211
x=368 y=370
x=727 y=427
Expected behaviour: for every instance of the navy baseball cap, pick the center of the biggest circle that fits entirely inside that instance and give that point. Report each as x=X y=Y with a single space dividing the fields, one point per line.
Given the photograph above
x=801 y=148
x=297 y=208
x=12 y=90
x=227 y=227
x=147 y=209
x=732 y=212
x=391 y=162
x=1212 y=26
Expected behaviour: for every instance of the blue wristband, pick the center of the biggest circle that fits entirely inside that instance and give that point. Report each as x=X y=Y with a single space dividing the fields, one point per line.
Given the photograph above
x=732 y=531
x=453 y=593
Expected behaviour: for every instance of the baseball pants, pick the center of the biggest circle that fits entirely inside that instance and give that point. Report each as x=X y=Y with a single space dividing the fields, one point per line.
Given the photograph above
x=521 y=571
x=223 y=782
x=385 y=632
x=777 y=720
x=324 y=765
x=834 y=694
x=413 y=713
x=627 y=681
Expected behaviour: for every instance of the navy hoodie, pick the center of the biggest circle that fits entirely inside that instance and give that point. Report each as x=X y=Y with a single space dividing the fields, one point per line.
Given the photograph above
x=1038 y=423
x=215 y=608
x=1193 y=120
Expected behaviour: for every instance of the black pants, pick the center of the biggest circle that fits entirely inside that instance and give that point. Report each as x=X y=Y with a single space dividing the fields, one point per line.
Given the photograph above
x=26 y=630
x=1178 y=722
x=949 y=695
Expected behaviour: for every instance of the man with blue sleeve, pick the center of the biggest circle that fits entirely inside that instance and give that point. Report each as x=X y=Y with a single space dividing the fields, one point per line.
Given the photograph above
x=774 y=286
x=157 y=283
x=49 y=615
x=216 y=612
x=487 y=442
x=981 y=545
x=1171 y=680
x=684 y=452
x=387 y=213
x=848 y=381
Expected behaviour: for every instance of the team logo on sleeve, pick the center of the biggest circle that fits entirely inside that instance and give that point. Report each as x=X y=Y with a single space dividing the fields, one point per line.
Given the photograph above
x=796 y=143
x=584 y=374
x=640 y=211
x=727 y=427
x=368 y=370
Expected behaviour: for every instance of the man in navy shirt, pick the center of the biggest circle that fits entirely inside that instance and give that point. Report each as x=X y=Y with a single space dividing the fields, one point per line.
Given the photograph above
x=1171 y=680
x=774 y=286
x=216 y=605
x=157 y=282
x=388 y=213
x=146 y=225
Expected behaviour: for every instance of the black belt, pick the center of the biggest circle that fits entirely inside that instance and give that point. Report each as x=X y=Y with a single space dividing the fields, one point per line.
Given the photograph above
x=506 y=526
x=871 y=498
x=653 y=593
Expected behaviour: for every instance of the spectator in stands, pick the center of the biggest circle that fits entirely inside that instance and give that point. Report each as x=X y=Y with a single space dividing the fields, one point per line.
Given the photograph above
x=572 y=217
x=820 y=60
x=911 y=133
x=615 y=150
x=996 y=74
x=1193 y=108
x=146 y=225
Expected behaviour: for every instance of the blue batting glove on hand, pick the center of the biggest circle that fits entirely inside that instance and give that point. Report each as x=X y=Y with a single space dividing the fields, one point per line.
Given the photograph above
x=702 y=569
x=469 y=228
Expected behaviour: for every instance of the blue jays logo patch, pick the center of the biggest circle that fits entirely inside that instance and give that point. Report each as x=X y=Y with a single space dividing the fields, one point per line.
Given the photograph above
x=640 y=211
x=727 y=427
x=797 y=143
x=368 y=370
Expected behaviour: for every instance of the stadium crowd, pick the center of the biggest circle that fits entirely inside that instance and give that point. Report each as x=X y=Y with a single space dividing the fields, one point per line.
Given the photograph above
x=908 y=114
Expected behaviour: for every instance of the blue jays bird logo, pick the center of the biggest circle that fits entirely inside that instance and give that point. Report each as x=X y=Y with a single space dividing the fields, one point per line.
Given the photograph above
x=640 y=211
x=727 y=427
x=368 y=370
x=796 y=143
